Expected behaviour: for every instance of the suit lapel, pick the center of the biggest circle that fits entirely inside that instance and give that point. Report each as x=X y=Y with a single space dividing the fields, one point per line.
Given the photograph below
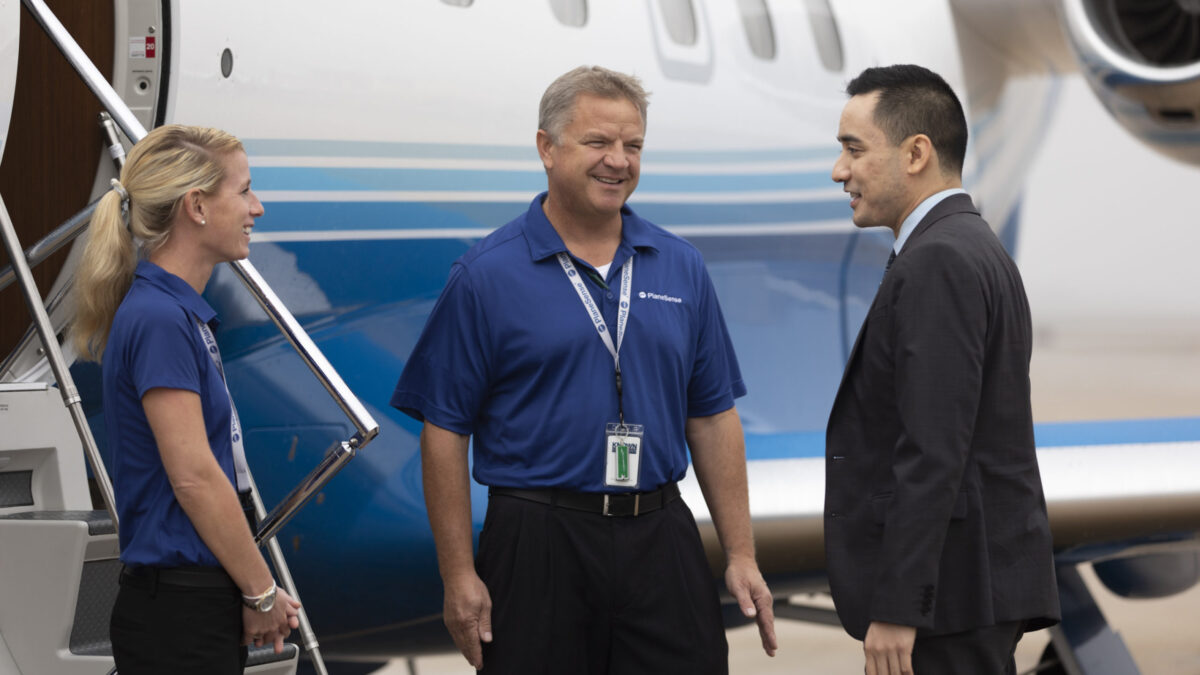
x=959 y=203
x=951 y=205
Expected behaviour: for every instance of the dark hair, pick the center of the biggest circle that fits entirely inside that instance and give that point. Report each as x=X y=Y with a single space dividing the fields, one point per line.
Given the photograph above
x=915 y=100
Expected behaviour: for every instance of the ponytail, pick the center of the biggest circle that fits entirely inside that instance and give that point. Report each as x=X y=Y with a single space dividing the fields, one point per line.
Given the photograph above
x=102 y=277
x=160 y=170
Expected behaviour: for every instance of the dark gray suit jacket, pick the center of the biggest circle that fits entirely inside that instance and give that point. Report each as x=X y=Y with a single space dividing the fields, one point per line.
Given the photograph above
x=934 y=512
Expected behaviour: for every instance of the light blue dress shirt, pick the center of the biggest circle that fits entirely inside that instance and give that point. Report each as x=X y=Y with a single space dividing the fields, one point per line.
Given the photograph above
x=919 y=213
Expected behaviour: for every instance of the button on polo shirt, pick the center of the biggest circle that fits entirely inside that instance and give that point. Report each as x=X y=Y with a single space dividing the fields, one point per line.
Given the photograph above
x=509 y=356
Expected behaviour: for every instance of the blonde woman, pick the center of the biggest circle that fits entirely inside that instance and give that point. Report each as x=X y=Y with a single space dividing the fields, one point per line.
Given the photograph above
x=194 y=588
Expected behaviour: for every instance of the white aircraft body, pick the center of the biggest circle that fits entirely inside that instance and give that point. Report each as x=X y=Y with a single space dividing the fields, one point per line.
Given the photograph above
x=386 y=137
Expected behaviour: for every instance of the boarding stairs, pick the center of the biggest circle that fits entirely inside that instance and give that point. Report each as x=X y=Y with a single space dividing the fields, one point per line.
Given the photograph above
x=59 y=557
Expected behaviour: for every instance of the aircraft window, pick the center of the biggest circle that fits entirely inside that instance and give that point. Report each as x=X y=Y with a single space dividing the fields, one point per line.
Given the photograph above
x=825 y=33
x=459 y=3
x=680 y=19
x=570 y=12
x=756 y=19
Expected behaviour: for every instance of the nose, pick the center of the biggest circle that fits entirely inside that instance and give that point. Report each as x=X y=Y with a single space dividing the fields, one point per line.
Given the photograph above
x=256 y=207
x=617 y=157
x=841 y=169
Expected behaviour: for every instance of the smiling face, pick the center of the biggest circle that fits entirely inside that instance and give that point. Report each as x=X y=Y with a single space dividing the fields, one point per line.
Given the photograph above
x=230 y=211
x=870 y=168
x=595 y=163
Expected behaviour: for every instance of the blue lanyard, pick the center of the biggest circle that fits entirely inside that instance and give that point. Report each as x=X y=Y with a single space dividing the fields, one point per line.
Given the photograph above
x=598 y=318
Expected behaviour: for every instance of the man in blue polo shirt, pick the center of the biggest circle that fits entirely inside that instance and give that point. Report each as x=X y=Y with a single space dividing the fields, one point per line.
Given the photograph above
x=584 y=349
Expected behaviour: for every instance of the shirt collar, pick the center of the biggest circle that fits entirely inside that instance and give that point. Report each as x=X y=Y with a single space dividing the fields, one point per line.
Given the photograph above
x=178 y=289
x=918 y=214
x=544 y=241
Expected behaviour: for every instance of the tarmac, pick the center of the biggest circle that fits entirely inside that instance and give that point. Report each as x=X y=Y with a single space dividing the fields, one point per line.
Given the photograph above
x=1084 y=374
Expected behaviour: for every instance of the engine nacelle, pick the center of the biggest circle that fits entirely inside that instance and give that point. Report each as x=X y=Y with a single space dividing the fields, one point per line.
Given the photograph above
x=1142 y=58
x=1157 y=575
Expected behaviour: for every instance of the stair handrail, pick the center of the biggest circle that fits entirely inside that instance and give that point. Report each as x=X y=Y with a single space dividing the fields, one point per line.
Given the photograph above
x=365 y=426
x=53 y=352
x=50 y=244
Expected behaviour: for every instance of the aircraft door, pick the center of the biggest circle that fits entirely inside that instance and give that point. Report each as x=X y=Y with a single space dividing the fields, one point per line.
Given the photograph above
x=10 y=38
x=142 y=58
x=42 y=177
x=54 y=159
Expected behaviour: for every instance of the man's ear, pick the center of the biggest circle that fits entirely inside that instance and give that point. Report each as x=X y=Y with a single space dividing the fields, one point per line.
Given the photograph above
x=544 y=145
x=919 y=152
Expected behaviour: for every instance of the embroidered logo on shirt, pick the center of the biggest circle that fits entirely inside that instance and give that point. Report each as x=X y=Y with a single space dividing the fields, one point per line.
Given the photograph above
x=658 y=296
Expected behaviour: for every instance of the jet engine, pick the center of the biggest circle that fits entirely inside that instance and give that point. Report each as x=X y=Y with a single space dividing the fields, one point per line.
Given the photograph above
x=1142 y=58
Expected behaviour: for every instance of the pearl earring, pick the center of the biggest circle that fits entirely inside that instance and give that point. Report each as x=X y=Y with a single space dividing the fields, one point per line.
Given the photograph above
x=203 y=221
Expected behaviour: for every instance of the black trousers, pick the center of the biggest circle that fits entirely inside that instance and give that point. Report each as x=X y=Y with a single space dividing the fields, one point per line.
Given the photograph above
x=159 y=628
x=982 y=651
x=585 y=594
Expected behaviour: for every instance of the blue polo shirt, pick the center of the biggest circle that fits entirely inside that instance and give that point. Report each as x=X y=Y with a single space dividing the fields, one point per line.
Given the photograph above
x=155 y=342
x=509 y=355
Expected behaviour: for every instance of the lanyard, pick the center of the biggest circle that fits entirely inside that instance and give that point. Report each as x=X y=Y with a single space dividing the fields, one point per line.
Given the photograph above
x=598 y=318
x=240 y=468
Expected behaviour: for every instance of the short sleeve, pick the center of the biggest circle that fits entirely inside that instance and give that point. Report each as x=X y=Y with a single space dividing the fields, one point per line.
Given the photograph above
x=163 y=353
x=716 y=378
x=446 y=378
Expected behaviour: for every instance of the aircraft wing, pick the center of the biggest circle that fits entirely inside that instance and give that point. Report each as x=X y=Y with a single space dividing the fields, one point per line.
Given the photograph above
x=1114 y=489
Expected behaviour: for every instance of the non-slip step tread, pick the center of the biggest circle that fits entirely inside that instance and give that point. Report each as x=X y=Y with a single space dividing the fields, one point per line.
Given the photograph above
x=98 y=522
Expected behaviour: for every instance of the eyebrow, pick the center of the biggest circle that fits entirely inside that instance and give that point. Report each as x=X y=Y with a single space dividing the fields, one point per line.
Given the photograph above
x=608 y=138
x=849 y=138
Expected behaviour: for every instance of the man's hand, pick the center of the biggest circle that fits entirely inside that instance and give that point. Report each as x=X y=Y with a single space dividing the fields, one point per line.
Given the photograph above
x=888 y=648
x=468 y=615
x=261 y=628
x=746 y=584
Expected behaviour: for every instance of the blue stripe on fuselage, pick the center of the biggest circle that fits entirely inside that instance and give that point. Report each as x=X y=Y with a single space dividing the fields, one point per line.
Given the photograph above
x=1117 y=432
x=283 y=147
x=333 y=216
x=1049 y=435
x=317 y=179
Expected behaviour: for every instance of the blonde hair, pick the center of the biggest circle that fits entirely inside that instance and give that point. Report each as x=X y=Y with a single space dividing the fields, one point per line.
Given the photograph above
x=170 y=161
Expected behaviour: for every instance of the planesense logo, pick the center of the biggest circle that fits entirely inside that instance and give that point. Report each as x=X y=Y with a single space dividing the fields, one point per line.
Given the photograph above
x=658 y=296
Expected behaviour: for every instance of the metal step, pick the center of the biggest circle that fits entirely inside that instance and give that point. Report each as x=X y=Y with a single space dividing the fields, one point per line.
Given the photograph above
x=59 y=562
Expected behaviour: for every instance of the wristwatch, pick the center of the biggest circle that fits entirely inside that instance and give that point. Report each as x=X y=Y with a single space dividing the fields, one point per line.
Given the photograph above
x=261 y=603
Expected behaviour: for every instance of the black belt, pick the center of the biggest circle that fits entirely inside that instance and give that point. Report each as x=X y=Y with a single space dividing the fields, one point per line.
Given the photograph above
x=606 y=504
x=192 y=577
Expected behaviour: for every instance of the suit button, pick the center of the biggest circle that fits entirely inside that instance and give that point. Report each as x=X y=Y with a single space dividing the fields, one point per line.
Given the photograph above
x=838 y=458
x=834 y=514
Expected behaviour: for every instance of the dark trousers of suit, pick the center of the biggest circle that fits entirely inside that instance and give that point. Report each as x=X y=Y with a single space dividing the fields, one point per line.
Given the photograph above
x=982 y=651
x=577 y=593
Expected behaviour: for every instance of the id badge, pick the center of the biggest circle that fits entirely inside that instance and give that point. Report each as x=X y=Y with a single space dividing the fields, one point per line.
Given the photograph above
x=623 y=448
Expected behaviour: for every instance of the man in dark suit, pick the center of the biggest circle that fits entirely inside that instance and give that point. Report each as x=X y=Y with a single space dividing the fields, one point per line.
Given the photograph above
x=936 y=538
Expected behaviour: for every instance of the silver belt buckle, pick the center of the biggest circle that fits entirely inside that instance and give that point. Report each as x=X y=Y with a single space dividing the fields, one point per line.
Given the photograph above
x=637 y=502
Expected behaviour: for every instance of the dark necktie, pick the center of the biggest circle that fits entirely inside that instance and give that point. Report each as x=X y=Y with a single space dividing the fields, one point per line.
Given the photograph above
x=891 y=259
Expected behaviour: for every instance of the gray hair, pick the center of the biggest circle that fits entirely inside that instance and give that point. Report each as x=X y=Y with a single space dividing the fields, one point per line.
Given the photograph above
x=558 y=103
